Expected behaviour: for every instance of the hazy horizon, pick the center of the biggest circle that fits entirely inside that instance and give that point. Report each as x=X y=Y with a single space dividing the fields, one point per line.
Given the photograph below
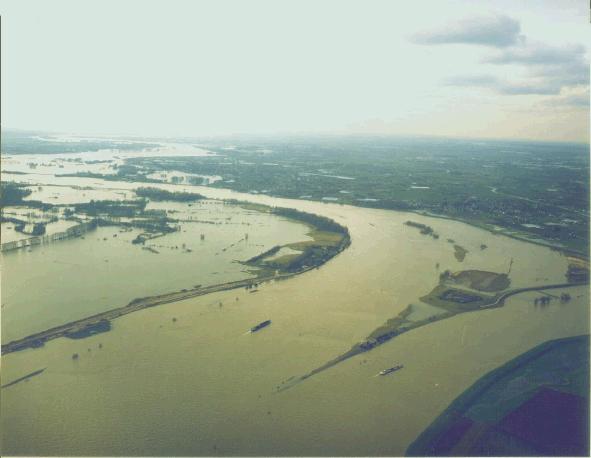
x=281 y=135
x=492 y=70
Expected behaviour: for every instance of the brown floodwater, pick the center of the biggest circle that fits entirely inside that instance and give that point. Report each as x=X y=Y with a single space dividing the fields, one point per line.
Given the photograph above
x=201 y=386
x=55 y=283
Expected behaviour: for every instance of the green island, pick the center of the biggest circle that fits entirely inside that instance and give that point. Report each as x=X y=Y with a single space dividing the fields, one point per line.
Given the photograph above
x=328 y=238
x=425 y=230
x=15 y=193
x=460 y=252
x=157 y=194
x=537 y=404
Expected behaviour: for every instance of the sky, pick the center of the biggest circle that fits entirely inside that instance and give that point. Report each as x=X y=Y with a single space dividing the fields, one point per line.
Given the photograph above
x=457 y=68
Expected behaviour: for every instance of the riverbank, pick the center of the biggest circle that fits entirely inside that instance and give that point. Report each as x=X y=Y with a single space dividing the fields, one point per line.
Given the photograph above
x=505 y=232
x=488 y=409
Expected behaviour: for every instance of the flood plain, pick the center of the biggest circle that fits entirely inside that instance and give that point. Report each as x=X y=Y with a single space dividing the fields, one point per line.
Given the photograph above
x=184 y=379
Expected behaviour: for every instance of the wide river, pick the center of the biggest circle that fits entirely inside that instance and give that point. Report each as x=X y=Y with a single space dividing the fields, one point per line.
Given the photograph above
x=200 y=386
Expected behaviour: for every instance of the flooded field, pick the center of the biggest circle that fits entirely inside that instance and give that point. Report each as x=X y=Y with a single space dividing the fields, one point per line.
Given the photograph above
x=184 y=378
x=52 y=284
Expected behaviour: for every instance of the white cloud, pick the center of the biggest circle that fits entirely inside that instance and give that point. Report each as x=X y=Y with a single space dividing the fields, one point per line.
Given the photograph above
x=497 y=31
x=503 y=87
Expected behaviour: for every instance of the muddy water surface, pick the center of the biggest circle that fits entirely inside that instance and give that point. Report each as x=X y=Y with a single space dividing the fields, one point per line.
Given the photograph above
x=201 y=386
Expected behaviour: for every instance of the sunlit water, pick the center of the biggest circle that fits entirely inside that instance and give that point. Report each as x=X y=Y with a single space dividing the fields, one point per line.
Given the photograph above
x=201 y=386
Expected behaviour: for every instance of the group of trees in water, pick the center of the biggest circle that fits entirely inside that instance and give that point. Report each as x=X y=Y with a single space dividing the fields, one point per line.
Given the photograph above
x=11 y=194
x=126 y=208
x=14 y=194
x=545 y=300
x=161 y=194
x=314 y=254
x=425 y=230
x=20 y=226
x=321 y=223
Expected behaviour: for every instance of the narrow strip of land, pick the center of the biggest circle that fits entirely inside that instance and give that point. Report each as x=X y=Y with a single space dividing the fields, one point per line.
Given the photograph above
x=22 y=379
x=400 y=324
x=86 y=325
x=501 y=299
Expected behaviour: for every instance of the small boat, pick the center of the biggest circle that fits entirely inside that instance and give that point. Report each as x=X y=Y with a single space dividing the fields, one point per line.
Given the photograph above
x=260 y=326
x=391 y=369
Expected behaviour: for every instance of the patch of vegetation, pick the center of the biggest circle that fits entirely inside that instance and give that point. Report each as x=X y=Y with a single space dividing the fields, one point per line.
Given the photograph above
x=481 y=280
x=393 y=324
x=249 y=205
x=123 y=172
x=114 y=208
x=320 y=223
x=154 y=223
x=456 y=300
x=460 y=252
x=38 y=229
x=13 y=194
x=89 y=329
x=157 y=194
x=329 y=238
x=425 y=230
x=20 y=226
